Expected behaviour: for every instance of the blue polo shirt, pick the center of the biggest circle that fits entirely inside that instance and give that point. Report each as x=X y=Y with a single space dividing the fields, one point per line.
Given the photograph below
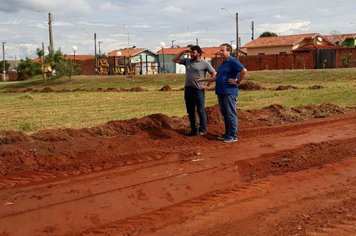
x=229 y=68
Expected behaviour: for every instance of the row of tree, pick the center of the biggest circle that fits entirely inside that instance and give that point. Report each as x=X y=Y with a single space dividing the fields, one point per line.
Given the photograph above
x=54 y=60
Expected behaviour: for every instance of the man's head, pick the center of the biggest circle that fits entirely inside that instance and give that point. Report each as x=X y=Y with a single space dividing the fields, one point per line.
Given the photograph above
x=225 y=50
x=195 y=52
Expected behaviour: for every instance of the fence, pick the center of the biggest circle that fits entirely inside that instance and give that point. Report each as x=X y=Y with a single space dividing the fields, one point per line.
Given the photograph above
x=317 y=59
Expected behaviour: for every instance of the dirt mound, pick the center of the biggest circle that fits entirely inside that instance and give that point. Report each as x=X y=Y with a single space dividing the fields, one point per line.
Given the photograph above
x=166 y=88
x=317 y=86
x=306 y=157
x=10 y=137
x=47 y=90
x=28 y=90
x=114 y=143
x=250 y=86
x=286 y=87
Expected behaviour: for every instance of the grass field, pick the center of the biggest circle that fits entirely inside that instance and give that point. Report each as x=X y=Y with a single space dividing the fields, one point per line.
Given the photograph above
x=35 y=111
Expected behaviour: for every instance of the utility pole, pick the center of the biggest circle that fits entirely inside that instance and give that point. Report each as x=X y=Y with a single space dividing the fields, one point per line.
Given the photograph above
x=237 y=35
x=96 y=56
x=236 y=19
x=3 y=62
x=43 y=56
x=253 y=30
x=197 y=41
x=50 y=32
x=173 y=43
x=100 y=42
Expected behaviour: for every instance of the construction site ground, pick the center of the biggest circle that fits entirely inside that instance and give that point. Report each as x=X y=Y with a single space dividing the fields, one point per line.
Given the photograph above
x=292 y=172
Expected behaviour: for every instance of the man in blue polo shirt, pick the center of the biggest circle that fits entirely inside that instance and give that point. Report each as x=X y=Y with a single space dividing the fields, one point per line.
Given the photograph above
x=230 y=74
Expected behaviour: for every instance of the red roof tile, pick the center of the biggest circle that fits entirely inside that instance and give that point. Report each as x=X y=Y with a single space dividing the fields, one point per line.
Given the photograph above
x=127 y=52
x=279 y=40
x=338 y=38
x=208 y=52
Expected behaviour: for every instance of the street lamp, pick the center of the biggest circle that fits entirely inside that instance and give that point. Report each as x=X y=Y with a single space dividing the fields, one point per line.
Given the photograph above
x=236 y=19
x=163 y=44
x=75 y=48
x=100 y=42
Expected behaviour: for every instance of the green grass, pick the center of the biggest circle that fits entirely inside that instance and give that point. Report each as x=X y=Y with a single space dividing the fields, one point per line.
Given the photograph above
x=30 y=112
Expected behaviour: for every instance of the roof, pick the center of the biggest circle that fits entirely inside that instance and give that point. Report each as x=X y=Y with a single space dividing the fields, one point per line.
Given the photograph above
x=338 y=38
x=79 y=57
x=129 y=52
x=309 y=47
x=208 y=52
x=276 y=41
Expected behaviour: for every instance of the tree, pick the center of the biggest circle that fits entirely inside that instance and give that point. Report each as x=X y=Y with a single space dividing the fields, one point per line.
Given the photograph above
x=39 y=52
x=7 y=65
x=27 y=68
x=67 y=68
x=268 y=34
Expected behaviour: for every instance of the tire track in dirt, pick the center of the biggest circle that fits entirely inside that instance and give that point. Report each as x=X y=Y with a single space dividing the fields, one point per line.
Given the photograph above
x=243 y=209
x=146 y=198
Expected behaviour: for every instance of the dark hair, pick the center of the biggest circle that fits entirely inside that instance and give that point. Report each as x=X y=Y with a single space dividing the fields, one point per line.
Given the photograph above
x=196 y=48
x=228 y=47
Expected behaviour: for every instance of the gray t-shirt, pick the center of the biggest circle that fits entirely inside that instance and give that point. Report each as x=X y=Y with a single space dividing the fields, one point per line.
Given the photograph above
x=194 y=70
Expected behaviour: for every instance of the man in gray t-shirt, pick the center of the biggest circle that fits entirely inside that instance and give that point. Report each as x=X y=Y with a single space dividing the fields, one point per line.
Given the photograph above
x=194 y=94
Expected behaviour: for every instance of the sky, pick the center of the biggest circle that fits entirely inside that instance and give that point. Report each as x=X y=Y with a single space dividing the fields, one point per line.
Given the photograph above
x=145 y=24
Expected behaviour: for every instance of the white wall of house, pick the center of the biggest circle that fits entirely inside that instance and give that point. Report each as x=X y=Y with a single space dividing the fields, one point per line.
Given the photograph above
x=180 y=69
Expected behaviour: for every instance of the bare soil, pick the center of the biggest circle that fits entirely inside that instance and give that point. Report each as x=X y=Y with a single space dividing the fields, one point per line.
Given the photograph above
x=293 y=172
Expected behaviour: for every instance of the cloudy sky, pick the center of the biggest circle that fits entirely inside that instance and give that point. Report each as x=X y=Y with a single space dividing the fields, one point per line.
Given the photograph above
x=146 y=23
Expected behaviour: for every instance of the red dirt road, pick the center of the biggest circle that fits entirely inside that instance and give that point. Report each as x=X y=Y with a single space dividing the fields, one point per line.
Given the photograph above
x=143 y=177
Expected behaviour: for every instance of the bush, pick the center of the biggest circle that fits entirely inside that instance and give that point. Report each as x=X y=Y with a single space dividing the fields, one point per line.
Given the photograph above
x=27 y=68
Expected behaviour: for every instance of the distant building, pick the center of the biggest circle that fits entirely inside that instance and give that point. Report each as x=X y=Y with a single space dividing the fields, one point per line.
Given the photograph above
x=346 y=40
x=209 y=53
x=286 y=44
x=142 y=60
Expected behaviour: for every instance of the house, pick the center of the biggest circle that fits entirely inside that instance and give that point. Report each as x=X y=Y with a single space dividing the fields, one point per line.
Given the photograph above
x=86 y=63
x=286 y=44
x=166 y=55
x=135 y=60
x=346 y=40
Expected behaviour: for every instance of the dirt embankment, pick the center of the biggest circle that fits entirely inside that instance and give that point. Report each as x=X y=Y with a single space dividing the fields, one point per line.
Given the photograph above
x=117 y=143
x=289 y=174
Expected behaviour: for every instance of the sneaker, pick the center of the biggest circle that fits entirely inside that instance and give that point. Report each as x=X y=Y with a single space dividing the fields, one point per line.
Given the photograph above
x=230 y=140
x=220 y=137
x=191 y=133
x=202 y=133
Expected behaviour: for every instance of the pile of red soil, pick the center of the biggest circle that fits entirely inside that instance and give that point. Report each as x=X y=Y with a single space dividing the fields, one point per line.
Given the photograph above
x=166 y=88
x=250 y=86
x=286 y=87
x=317 y=86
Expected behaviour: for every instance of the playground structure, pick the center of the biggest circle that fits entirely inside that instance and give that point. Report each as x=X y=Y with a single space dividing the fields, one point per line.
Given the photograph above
x=122 y=65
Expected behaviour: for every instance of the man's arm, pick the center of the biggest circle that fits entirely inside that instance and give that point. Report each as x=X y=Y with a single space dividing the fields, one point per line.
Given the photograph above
x=176 y=57
x=237 y=81
x=212 y=79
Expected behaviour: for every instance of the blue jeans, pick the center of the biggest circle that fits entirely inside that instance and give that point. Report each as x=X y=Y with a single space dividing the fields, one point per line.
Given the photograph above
x=194 y=98
x=227 y=105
